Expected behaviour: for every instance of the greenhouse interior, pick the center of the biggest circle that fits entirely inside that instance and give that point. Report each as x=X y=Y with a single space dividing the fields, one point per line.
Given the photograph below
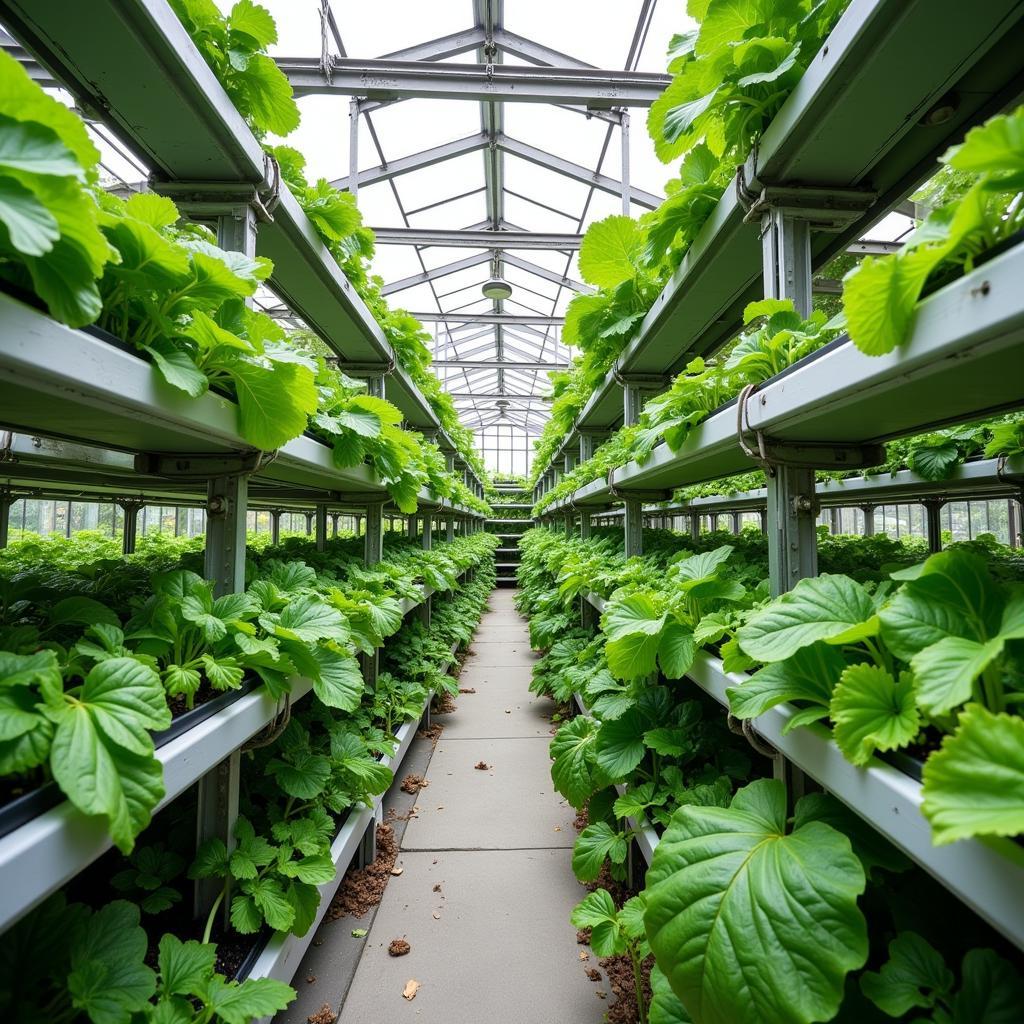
x=511 y=511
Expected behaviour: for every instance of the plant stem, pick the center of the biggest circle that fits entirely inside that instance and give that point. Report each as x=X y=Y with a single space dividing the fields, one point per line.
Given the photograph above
x=638 y=984
x=213 y=913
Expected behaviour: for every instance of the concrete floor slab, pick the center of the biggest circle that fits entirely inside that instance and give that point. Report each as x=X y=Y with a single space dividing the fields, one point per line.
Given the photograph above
x=511 y=654
x=518 y=714
x=510 y=806
x=498 y=676
x=500 y=947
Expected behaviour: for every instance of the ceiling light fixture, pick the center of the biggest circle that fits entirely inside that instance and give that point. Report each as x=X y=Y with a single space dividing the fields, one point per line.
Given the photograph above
x=496 y=287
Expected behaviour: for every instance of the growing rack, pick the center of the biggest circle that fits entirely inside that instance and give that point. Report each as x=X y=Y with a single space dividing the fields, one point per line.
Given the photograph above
x=814 y=185
x=121 y=434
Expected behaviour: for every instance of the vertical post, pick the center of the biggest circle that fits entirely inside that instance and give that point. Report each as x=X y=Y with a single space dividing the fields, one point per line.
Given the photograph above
x=694 y=525
x=933 y=522
x=373 y=552
x=226 y=500
x=450 y=529
x=1013 y=519
x=334 y=523
x=869 y=520
x=373 y=543
x=624 y=132
x=427 y=539
x=353 y=147
x=275 y=526
x=321 y=527
x=216 y=814
x=410 y=526
x=130 y=531
x=834 y=526
x=634 y=527
x=792 y=541
x=584 y=524
x=736 y=523
x=309 y=523
x=6 y=501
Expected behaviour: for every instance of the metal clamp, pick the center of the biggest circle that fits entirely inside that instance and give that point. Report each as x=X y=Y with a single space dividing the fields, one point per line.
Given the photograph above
x=745 y=727
x=274 y=729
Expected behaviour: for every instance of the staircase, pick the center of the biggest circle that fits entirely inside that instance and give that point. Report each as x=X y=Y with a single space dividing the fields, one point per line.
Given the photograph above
x=511 y=511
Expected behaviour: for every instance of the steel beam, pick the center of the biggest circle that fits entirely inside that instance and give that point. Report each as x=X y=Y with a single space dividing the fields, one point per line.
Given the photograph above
x=470 y=364
x=548 y=275
x=577 y=172
x=491 y=318
x=432 y=275
x=476 y=238
x=441 y=48
x=414 y=162
x=389 y=80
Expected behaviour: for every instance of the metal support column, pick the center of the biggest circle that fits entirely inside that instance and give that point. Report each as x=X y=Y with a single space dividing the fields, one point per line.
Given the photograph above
x=869 y=520
x=373 y=552
x=1013 y=521
x=792 y=539
x=410 y=526
x=449 y=528
x=226 y=500
x=933 y=522
x=275 y=526
x=585 y=524
x=353 y=146
x=624 y=132
x=216 y=814
x=427 y=538
x=786 y=245
x=309 y=523
x=6 y=501
x=130 y=531
x=321 y=527
x=694 y=525
x=834 y=522
x=334 y=523
x=736 y=521
x=633 y=521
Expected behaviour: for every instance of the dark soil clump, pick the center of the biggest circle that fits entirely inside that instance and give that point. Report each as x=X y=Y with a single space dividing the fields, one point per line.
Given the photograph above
x=363 y=888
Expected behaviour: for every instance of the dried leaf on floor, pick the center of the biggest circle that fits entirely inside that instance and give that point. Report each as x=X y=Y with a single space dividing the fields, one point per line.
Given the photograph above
x=584 y=955
x=412 y=986
x=467 y=689
x=398 y=947
x=325 y=1015
x=481 y=766
x=397 y=870
x=436 y=916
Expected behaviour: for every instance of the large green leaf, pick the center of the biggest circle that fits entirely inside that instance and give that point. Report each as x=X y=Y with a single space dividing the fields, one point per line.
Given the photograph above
x=872 y=711
x=339 y=680
x=620 y=744
x=29 y=227
x=749 y=923
x=594 y=845
x=310 y=619
x=974 y=784
x=242 y=1002
x=945 y=671
x=953 y=596
x=913 y=976
x=184 y=966
x=991 y=991
x=596 y=911
x=574 y=768
x=109 y=978
x=828 y=607
x=808 y=675
x=610 y=251
x=995 y=146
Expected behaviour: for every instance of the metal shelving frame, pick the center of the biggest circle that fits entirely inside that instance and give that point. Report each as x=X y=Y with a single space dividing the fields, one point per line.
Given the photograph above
x=40 y=856
x=894 y=84
x=165 y=103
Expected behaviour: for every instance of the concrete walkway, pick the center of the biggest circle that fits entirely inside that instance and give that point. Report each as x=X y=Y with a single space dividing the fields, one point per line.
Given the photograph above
x=487 y=885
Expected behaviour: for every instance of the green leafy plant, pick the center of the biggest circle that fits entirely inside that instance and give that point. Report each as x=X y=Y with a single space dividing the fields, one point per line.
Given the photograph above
x=50 y=239
x=614 y=932
x=721 y=911
x=880 y=296
x=235 y=46
x=66 y=962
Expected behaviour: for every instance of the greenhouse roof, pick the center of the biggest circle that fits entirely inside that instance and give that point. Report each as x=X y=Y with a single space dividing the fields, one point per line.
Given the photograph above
x=460 y=188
